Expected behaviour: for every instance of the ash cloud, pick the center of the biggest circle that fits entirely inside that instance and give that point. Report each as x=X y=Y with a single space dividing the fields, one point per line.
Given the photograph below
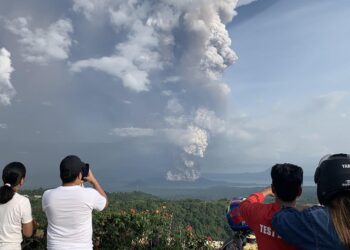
x=158 y=76
x=179 y=47
x=162 y=37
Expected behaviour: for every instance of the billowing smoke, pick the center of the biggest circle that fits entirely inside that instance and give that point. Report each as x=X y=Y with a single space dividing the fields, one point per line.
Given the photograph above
x=7 y=91
x=180 y=47
x=186 y=172
x=194 y=142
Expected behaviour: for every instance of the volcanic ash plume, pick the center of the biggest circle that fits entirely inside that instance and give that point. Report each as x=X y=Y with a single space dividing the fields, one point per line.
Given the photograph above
x=205 y=56
x=179 y=47
x=187 y=172
x=194 y=142
x=187 y=38
x=197 y=141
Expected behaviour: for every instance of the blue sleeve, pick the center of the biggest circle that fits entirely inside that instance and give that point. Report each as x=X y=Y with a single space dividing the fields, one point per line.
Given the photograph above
x=294 y=227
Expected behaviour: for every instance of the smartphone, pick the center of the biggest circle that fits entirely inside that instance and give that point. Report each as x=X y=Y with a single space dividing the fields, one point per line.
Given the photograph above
x=85 y=171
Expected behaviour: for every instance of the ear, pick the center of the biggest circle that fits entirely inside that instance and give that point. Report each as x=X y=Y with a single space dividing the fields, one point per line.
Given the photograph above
x=300 y=191
x=21 y=183
x=273 y=190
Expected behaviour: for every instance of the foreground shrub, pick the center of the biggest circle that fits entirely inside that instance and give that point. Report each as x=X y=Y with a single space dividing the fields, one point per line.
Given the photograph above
x=143 y=230
x=132 y=229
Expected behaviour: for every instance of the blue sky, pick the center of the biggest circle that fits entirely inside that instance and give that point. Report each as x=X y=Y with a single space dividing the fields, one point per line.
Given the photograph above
x=292 y=45
x=158 y=89
x=292 y=74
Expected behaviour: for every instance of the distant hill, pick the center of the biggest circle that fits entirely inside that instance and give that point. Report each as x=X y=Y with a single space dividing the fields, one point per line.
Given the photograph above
x=246 y=177
x=161 y=182
x=210 y=186
x=260 y=178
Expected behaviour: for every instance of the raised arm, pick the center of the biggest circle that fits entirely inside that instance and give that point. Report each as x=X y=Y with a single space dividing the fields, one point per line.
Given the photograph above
x=248 y=207
x=96 y=185
x=294 y=226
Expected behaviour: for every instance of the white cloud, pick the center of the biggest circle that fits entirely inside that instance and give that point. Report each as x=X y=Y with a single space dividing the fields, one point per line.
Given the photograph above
x=330 y=100
x=127 y=102
x=174 y=106
x=132 y=77
x=133 y=60
x=43 y=45
x=132 y=132
x=122 y=16
x=3 y=125
x=344 y=115
x=172 y=79
x=223 y=89
x=176 y=121
x=180 y=46
x=7 y=91
x=208 y=120
x=193 y=140
x=150 y=46
x=244 y=2
x=90 y=8
x=167 y=93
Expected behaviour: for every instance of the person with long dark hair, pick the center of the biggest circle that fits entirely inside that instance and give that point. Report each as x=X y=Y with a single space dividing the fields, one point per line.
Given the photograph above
x=327 y=226
x=15 y=209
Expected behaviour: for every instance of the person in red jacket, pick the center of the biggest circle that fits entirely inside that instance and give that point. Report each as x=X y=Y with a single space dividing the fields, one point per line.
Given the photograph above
x=286 y=187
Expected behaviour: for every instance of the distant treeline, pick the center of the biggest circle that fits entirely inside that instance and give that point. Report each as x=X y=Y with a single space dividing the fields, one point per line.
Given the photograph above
x=143 y=216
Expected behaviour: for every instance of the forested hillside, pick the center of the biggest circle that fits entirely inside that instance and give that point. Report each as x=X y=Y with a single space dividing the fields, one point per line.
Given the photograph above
x=138 y=220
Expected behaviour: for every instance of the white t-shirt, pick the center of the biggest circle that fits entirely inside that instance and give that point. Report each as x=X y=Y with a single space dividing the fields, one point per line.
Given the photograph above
x=13 y=214
x=69 y=214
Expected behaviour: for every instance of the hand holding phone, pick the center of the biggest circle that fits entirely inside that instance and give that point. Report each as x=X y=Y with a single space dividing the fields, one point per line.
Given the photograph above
x=85 y=171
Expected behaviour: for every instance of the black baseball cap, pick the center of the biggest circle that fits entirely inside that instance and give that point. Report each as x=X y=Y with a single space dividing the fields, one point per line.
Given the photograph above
x=332 y=177
x=70 y=168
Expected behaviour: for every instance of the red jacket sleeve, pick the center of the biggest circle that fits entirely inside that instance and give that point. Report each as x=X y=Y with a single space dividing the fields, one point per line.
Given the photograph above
x=249 y=208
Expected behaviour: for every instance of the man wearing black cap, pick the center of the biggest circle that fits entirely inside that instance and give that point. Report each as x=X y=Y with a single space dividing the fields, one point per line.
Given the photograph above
x=68 y=208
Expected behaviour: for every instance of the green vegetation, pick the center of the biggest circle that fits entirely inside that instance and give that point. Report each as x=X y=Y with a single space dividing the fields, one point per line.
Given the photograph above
x=206 y=217
x=137 y=220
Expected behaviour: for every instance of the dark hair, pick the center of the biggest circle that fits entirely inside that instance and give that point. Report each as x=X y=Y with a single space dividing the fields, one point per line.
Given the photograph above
x=339 y=209
x=11 y=175
x=333 y=190
x=70 y=168
x=68 y=178
x=286 y=181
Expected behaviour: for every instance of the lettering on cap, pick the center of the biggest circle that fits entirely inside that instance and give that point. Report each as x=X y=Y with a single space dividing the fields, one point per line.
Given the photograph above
x=346 y=183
